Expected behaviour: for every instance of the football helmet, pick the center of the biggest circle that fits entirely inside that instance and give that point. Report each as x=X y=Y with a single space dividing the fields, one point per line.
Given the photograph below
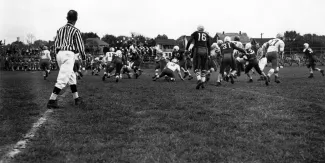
x=227 y=39
x=219 y=42
x=214 y=45
x=111 y=49
x=174 y=60
x=248 y=46
x=236 y=38
x=306 y=45
x=176 y=48
x=279 y=35
x=200 y=28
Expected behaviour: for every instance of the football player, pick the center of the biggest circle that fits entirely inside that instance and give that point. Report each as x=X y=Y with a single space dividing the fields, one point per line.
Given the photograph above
x=108 y=62
x=161 y=62
x=250 y=56
x=45 y=62
x=182 y=60
x=239 y=60
x=312 y=61
x=228 y=59
x=201 y=52
x=274 y=48
x=169 y=70
x=213 y=60
x=136 y=59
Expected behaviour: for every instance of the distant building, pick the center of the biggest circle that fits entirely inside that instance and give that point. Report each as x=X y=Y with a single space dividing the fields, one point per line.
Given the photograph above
x=96 y=44
x=166 y=45
x=243 y=36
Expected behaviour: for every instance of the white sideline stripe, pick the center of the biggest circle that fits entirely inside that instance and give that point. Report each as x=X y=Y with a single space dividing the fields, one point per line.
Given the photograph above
x=31 y=133
x=20 y=145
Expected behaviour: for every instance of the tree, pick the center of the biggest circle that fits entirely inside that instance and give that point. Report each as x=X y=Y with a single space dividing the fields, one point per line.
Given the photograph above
x=86 y=35
x=110 y=39
x=40 y=43
x=164 y=37
x=151 y=42
x=181 y=42
x=30 y=38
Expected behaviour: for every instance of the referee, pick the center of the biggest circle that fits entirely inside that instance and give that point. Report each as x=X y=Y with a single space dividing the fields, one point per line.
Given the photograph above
x=68 y=43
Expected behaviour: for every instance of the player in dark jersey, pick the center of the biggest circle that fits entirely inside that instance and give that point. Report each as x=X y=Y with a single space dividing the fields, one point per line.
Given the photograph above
x=182 y=60
x=250 y=56
x=201 y=52
x=228 y=59
x=312 y=61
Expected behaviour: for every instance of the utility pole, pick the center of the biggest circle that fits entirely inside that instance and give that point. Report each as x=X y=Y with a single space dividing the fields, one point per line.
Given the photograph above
x=262 y=35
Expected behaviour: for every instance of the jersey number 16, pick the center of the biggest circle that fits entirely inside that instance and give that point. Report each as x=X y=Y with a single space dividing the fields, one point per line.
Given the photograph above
x=202 y=37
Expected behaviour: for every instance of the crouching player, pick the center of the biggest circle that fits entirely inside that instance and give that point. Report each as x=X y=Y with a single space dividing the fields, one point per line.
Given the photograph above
x=250 y=56
x=213 y=60
x=45 y=62
x=169 y=70
x=182 y=59
x=161 y=62
x=312 y=61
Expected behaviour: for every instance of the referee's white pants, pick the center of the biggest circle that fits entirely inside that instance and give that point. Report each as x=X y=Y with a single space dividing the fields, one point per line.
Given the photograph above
x=262 y=63
x=66 y=75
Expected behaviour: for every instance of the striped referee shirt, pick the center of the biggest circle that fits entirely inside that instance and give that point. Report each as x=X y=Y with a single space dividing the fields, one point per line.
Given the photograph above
x=69 y=38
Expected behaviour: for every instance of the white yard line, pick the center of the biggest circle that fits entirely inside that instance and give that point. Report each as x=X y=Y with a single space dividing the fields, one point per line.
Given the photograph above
x=21 y=144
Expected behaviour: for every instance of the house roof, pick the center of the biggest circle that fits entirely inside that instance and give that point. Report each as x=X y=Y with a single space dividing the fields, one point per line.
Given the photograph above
x=96 y=41
x=165 y=41
x=243 y=37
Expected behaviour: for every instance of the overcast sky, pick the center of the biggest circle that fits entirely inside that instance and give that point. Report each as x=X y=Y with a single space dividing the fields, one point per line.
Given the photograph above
x=152 y=17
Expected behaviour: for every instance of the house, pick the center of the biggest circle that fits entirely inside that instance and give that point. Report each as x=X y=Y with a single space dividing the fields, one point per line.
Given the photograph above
x=166 y=45
x=96 y=44
x=243 y=36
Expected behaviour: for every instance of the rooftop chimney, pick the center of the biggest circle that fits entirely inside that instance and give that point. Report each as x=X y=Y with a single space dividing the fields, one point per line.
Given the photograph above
x=239 y=32
x=223 y=32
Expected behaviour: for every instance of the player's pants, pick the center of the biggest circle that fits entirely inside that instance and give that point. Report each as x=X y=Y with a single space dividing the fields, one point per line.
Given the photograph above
x=161 y=64
x=227 y=60
x=253 y=64
x=66 y=75
x=45 y=64
x=262 y=63
x=200 y=58
x=167 y=72
x=273 y=58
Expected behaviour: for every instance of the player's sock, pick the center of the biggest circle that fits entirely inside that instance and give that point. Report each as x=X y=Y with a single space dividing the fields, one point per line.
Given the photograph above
x=198 y=76
x=156 y=72
x=55 y=93
x=317 y=69
x=74 y=91
x=271 y=72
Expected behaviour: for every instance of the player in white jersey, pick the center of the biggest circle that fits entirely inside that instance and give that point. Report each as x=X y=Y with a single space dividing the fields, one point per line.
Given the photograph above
x=77 y=66
x=45 y=61
x=108 y=62
x=169 y=70
x=274 y=48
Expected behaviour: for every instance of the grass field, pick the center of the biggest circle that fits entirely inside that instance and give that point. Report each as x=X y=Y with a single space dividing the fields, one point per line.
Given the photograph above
x=138 y=120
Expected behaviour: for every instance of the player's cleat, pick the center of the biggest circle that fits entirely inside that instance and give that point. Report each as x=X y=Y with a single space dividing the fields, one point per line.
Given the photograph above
x=190 y=77
x=116 y=80
x=250 y=81
x=52 y=104
x=322 y=72
x=208 y=77
x=199 y=84
x=202 y=86
x=92 y=73
x=136 y=75
x=218 y=84
x=277 y=80
x=231 y=77
x=266 y=81
x=78 y=101
x=185 y=75
x=311 y=76
x=104 y=77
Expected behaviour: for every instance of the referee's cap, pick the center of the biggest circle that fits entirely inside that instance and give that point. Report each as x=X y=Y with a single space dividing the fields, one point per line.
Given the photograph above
x=72 y=15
